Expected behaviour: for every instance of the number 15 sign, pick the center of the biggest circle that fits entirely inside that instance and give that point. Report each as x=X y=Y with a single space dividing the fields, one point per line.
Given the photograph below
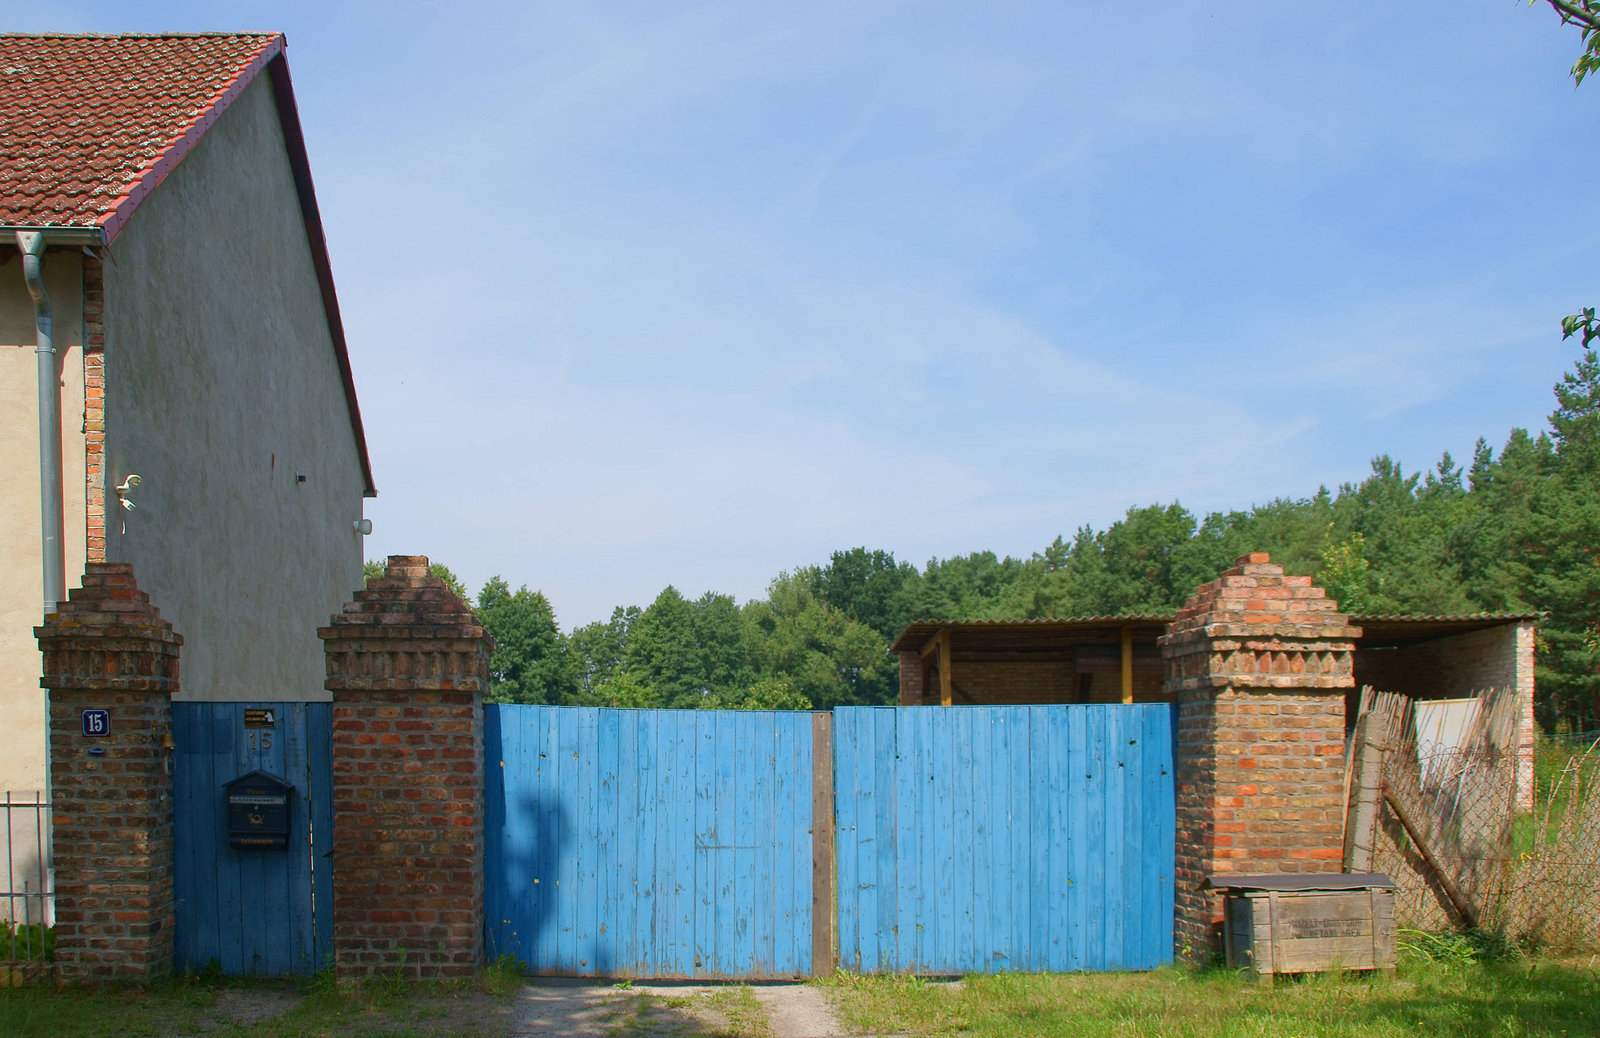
x=97 y=722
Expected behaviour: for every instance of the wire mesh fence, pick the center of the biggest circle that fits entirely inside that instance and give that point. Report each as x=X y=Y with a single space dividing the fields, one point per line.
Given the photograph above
x=27 y=902
x=1449 y=833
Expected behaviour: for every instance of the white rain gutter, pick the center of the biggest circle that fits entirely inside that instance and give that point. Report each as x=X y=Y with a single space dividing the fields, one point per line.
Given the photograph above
x=51 y=505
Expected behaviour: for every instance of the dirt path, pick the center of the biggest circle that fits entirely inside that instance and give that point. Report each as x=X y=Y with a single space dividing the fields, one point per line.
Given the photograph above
x=571 y=1008
x=798 y=1011
x=575 y=1009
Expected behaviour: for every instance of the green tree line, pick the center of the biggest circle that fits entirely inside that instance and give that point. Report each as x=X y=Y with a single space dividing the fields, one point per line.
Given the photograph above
x=1514 y=530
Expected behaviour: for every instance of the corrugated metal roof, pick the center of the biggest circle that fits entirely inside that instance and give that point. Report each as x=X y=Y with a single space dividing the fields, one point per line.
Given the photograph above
x=1378 y=629
x=1036 y=631
x=1360 y=618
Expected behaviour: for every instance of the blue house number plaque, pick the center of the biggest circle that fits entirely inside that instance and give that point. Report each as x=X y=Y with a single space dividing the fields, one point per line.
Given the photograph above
x=97 y=722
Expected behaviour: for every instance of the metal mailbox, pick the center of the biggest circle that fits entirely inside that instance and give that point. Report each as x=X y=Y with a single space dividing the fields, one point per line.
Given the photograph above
x=258 y=811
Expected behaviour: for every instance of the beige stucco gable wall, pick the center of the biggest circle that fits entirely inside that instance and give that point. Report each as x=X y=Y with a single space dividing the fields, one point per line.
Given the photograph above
x=22 y=764
x=222 y=388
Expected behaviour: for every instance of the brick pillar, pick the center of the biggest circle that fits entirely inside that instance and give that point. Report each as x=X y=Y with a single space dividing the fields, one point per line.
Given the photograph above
x=1259 y=663
x=108 y=649
x=911 y=678
x=408 y=664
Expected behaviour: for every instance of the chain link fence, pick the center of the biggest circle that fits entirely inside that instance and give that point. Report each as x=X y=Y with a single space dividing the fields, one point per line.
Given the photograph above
x=1447 y=830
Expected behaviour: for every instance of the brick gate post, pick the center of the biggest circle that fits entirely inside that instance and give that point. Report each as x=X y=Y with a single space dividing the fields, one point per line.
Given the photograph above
x=1259 y=663
x=111 y=668
x=408 y=664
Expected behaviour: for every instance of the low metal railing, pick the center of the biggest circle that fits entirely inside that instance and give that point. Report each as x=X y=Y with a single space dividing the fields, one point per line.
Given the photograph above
x=27 y=899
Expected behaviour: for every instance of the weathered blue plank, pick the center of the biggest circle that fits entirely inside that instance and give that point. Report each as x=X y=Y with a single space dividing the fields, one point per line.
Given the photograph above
x=923 y=921
x=1080 y=763
x=762 y=834
x=1116 y=853
x=964 y=826
x=789 y=783
x=1058 y=881
x=993 y=901
x=1053 y=830
x=906 y=903
x=607 y=905
x=675 y=886
x=624 y=866
x=846 y=809
x=705 y=838
x=544 y=828
x=653 y=866
x=1019 y=850
x=1040 y=863
x=868 y=793
x=941 y=948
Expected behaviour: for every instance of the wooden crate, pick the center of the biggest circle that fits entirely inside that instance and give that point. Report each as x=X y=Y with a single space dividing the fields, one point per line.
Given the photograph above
x=1307 y=923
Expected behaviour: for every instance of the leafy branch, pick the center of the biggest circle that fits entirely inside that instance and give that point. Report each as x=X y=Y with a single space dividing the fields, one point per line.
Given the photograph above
x=1585 y=14
x=1583 y=323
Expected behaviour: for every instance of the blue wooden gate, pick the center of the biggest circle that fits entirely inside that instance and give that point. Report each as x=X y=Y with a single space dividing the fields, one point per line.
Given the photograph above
x=649 y=843
x=981 y=839
x=256 y=912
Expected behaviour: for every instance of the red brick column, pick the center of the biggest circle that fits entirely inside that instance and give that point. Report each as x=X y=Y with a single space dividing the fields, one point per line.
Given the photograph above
x=1259 y=663
x=408 y=664
x=108 y=649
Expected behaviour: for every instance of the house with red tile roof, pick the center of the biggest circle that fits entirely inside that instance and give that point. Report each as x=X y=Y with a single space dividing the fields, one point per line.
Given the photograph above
x=170 y=335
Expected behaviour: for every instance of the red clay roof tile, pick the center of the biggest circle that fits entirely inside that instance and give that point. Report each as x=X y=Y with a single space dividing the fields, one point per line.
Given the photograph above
x=89 y=125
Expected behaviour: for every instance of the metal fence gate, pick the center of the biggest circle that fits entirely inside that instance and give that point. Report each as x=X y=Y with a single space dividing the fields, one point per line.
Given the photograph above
x=256 y=911
x=985 y=839
x=649 y=843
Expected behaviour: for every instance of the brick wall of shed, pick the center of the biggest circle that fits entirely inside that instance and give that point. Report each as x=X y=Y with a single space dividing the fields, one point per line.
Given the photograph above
x=1458 y=667
x=1020 y=680
x=911 y=679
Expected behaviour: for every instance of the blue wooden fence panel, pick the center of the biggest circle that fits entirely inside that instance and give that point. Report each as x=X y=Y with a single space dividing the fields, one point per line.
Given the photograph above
x=984 y=839
x=649 y=843
x=256 y=912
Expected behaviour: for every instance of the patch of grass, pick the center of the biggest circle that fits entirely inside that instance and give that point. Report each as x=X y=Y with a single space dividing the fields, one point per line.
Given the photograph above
x=719 y=1012
x=171 y=1007
x=29 y=941
x=1512 y=997
x=1452 y=950
x=738 y=1006
x=504 y=975
x=207 y=1004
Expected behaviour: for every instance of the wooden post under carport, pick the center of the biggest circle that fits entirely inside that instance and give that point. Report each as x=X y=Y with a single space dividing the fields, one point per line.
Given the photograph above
x=939 y=648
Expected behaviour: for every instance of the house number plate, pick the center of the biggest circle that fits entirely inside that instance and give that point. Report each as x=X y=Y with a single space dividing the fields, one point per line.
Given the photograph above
x=96 y=722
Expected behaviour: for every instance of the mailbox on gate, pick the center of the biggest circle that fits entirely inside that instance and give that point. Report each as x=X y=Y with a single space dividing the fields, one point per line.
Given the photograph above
x=258 y=811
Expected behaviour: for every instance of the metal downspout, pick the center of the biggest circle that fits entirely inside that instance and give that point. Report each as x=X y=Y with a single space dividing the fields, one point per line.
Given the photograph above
x=51 y=522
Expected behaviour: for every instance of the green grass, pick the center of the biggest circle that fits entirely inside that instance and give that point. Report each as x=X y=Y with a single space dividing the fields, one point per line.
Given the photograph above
x=313 y=1008
x=1445 y=987
x=1564 y=770
x=1508 y=997
x=30 y=941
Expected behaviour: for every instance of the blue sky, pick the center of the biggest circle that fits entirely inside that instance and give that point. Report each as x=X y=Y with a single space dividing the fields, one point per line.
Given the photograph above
x=693 y=293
